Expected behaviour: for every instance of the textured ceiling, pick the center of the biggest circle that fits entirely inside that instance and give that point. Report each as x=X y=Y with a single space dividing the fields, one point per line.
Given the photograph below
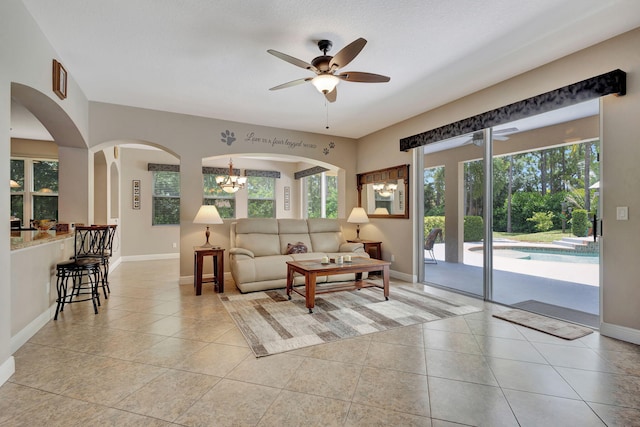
x=209 y=57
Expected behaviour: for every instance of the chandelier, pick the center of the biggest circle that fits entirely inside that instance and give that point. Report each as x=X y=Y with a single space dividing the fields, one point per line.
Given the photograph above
x=385 y=189
x=231 y=183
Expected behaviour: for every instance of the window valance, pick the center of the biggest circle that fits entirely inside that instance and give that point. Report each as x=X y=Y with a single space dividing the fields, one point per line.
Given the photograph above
x=208 y=170
x=308 y=172
x=159 y=167
x=614 y=82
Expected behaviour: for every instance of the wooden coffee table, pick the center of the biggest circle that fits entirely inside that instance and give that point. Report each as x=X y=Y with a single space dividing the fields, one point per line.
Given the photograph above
x=311 y=269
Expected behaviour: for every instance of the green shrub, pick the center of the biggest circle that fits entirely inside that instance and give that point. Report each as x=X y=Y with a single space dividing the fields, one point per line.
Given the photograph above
x=431 y=222
x=579 y=223
x=543 y=220
x=473 y=228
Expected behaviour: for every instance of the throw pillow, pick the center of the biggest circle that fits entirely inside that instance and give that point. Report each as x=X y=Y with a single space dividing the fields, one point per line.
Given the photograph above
x=296 y=248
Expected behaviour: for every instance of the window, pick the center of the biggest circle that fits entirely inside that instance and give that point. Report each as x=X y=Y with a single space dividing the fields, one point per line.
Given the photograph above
x=17 y=189
x=321 y=195
x=214 y=195
x=166 y=198
x=34 y=189
x=45 y=189
x=261 y=193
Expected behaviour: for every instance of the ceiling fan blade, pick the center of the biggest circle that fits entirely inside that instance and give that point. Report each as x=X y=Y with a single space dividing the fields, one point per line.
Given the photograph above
x=291 y=60
x=347 y=54
x=292 y=83
x=331 y=96
x=356 y=76
x=507 y=130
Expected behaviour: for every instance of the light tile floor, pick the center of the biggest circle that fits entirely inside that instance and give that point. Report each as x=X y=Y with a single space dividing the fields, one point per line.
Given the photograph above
x=157 y=355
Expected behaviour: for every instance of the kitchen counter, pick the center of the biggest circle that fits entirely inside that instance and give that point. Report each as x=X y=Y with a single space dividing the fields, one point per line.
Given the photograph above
x=26 y=239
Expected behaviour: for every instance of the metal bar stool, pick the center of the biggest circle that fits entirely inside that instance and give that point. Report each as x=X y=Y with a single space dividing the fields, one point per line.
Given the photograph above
x=83 y=271
x=108 y=251
x=93 y=244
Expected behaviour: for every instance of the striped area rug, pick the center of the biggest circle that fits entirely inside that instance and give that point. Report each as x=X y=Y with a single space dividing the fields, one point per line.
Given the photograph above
x=272 y=324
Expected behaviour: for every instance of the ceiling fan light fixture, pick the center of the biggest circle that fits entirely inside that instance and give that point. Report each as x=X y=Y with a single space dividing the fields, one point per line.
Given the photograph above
x=325 y=83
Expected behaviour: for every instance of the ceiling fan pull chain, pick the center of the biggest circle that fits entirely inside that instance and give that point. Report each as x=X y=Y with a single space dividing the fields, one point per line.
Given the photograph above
x=326 y=104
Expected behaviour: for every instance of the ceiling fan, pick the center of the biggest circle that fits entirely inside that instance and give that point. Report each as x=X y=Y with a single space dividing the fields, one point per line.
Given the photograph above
x=477 y=138
x=326 y=66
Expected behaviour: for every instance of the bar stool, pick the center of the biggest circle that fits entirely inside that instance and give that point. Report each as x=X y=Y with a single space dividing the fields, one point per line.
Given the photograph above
x=108 y=252
x=79 y=268
x=93 y=244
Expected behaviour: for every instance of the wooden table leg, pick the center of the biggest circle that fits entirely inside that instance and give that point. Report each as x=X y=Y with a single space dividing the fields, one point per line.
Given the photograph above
x=199 y=274
x=289 y=281
x=310 y=288
x=385 y=281
x=220 y=269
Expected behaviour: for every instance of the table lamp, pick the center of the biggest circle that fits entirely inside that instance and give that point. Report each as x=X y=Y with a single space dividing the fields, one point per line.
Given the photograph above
x=207 y=214
x=358 y=216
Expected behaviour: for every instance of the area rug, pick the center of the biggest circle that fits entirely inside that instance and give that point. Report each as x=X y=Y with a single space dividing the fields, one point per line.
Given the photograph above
x=272 y=324
x=555 y=327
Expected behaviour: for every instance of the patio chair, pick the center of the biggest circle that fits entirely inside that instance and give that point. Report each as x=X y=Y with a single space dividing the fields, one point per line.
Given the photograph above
x=428 y=245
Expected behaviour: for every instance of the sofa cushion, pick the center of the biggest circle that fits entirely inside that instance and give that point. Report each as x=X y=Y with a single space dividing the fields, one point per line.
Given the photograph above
x=323 y=225
x=257 y=225
x=259 y=235
x=326 y=234
x=292 y=226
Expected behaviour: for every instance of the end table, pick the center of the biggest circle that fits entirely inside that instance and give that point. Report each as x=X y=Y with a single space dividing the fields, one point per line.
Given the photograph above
x=218 y=268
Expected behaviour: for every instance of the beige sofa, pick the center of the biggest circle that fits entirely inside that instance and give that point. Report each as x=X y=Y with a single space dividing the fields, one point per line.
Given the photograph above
x=258 y=253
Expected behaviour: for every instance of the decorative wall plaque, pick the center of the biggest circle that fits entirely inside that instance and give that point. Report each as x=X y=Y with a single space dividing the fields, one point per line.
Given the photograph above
x=135 y=194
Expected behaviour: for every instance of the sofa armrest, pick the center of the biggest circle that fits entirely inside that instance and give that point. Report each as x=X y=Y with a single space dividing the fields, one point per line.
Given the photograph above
x=352 y=247
x=241 y=251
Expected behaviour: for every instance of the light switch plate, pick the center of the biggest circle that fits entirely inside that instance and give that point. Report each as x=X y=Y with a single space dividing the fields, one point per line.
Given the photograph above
x=622 y=213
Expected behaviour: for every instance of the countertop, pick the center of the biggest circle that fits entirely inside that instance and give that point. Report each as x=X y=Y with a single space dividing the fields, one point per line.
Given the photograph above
x=25 y=239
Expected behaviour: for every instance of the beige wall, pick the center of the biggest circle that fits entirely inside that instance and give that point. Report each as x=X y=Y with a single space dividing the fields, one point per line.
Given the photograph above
x=34 y=148
x=25 y=73
x=192 y=139
x=139 y=237
x=619 y=170
x=32 y=268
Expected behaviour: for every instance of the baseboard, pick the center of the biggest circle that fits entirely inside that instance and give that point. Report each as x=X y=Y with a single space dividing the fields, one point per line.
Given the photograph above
x=31 y=329
x=403 y=276
x=151 y=257
x=620 y=332
x=114 y=264
x=7 y=369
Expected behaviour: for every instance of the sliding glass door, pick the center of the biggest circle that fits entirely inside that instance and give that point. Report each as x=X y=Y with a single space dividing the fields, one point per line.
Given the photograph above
x=538 y=206
x=546 y=195
x=453 y=209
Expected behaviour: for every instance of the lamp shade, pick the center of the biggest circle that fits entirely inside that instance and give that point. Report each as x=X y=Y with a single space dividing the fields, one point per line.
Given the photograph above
x=381 y=211
x=207 y=214
x=325 y=83
x=13 y=184
x=358 y=216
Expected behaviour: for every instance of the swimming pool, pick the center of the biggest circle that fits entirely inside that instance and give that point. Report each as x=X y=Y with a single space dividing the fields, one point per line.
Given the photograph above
x=536 y=254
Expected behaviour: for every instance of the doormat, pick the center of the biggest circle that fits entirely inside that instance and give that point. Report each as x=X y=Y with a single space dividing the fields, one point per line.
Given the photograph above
x=273 y=324
x=559 y=312
x=555 y=327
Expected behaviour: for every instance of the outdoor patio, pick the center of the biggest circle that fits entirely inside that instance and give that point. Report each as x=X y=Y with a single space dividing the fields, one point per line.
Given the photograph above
x=560 y=289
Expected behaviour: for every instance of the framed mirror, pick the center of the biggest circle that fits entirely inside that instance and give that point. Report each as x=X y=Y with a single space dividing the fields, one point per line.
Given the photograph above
x=384 y=193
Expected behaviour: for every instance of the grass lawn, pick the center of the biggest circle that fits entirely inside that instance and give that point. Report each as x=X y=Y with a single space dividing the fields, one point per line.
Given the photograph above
x=545 y=237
